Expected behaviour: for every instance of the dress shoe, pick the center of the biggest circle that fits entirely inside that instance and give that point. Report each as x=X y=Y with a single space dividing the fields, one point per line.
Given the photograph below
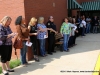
x=61 y=50
x=74 y=44
x=66 y=50
x=42 y=55
x=54 y=51
x=50 y=53
x=10 y=70
x=45 y=55
x=24 y=65
x=36 y=59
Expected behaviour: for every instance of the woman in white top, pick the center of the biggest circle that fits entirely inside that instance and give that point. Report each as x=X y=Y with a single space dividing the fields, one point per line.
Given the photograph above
x=83 y=26
x=74 y=31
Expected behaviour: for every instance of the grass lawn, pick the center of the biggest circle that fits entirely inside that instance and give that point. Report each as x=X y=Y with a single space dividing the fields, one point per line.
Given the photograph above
x=13 y=64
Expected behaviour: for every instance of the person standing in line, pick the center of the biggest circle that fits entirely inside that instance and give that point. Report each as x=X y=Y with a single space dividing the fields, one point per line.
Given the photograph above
x=6 y=36
x=99 y=26
x=23 y=34
x=33 y=37
x=70 y=42
x=72 y=38
x=74 y=31
x=83 y=26
x=65 y=31
x=51 y=35
x=42 y=35
x=79 y=20
x=88 y=26
x=95 y=24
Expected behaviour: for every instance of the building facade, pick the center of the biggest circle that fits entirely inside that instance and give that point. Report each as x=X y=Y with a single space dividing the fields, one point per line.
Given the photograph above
x=89 y=8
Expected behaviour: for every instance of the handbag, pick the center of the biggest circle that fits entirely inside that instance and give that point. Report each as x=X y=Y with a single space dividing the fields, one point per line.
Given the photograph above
x=18 y=44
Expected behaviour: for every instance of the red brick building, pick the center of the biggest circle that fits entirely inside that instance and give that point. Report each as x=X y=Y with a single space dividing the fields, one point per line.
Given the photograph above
x=37 y=8
x=33 y=8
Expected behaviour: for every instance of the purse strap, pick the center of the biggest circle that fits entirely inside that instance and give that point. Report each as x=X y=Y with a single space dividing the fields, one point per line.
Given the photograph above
x=16 y=54
x=15 y=48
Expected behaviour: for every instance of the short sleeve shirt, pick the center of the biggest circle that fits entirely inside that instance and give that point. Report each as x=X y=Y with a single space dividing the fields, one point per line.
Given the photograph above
x=41 y=34
x=83 y=22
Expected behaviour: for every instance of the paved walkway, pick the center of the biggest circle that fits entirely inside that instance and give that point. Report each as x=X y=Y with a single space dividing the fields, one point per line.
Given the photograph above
x=82 y=57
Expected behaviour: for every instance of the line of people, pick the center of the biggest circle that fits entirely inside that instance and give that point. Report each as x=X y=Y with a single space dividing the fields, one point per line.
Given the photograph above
x=92 y=24
x=35 y=30
x=25 y=32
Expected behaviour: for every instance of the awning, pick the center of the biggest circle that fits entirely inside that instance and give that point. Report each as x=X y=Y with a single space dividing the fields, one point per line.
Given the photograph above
x=73 y=4
x=90 y=6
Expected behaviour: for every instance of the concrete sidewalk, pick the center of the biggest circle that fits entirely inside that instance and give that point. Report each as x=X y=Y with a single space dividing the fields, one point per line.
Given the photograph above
x=82 y=57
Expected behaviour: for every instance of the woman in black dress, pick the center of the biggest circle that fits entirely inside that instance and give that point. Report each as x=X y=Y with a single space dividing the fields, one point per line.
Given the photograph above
x=33 y=36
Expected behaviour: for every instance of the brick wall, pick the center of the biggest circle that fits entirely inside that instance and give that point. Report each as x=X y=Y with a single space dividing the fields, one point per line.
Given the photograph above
x=36 y=8
x=45 y=8
x=12 y=8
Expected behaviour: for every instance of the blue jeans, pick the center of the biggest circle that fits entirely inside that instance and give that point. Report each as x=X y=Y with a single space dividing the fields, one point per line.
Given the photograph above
x=42 y=46
x=83 y=31
x=23 y=52
x=88 y=28
x=95 y=28
x=65 y=43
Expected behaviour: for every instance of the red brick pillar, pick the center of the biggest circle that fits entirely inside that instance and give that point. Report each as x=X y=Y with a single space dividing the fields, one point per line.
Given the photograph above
x=30 y=54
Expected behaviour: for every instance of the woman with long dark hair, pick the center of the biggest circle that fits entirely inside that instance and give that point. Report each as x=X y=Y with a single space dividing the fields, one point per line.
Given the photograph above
x=23 y=34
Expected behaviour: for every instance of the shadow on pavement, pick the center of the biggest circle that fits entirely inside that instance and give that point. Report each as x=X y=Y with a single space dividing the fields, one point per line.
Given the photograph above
x=86 y=44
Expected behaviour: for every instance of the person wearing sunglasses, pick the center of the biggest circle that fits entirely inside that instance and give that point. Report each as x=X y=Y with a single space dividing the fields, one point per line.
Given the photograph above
x=51 y=35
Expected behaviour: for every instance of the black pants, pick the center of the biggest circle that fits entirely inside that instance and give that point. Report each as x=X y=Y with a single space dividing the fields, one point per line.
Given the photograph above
x=6 y=52
x=74 y=39
x=34 y=46
x=70 y=42
x=51 y=43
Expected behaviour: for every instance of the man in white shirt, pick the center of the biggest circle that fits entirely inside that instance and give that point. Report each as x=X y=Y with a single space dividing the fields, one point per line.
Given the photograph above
x=88 y=27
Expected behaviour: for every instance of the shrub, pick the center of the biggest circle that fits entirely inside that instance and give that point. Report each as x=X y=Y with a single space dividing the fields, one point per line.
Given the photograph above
x=13 y=64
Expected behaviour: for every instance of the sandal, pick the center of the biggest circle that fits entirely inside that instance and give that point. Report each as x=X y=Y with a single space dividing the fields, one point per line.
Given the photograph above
x=36 y=59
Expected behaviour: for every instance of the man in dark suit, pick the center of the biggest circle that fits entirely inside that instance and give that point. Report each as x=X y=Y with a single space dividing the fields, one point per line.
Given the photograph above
x=95 y=24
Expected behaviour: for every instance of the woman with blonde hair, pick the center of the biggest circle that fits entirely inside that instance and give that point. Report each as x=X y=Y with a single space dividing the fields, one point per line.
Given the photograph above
x=33 y=36
x=42 y=34
x=6 y=36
